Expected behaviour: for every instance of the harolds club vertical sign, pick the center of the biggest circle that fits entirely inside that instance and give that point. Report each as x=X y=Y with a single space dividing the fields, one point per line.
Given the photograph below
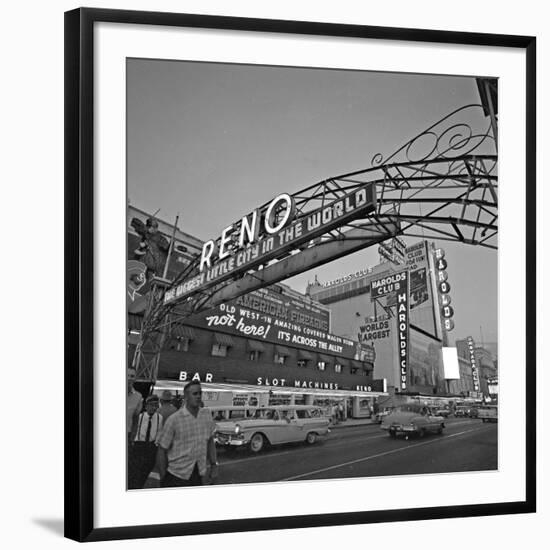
x=403 y=331
x=396 y=286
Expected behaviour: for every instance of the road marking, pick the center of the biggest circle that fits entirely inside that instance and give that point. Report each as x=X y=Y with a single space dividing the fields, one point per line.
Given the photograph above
x=364 y=459
x=331 y=444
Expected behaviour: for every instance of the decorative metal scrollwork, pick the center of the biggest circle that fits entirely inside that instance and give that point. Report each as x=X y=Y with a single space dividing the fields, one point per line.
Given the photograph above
x=465 y=131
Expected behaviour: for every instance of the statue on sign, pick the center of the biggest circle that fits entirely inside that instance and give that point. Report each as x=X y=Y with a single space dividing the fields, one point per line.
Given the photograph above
x=153 y=247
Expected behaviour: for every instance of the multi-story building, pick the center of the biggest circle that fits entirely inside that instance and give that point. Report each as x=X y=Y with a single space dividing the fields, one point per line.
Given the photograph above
x=270 y=346
x=357 y=311
x=479 y=367
x=487 y=368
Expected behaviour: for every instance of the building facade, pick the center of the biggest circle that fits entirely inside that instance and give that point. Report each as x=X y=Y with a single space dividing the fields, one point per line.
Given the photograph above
x=274 y=345
x=481 y=367
x=358 y=312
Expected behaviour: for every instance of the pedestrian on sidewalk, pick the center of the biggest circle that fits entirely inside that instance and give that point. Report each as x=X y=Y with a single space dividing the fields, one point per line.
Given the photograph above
x=143 y=451
x=334 y=413
x=187 y=451
x=166 y=406
x=134 y=404
x=341 y=412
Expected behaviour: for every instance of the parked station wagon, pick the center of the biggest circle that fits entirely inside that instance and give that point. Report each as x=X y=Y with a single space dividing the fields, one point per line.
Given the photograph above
x=413 y=419
x=273 y=426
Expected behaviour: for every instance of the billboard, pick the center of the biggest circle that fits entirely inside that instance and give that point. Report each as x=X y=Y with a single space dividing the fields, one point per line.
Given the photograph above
x=276 y=318
x=417 y=263
x=398 y=285
x=451 y=370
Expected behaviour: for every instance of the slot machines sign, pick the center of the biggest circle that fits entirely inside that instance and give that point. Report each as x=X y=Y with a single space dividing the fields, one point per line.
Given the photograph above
x=443 y=288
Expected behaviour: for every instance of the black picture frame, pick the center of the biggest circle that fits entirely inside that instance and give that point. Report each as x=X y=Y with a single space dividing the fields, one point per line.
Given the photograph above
x=79 y=269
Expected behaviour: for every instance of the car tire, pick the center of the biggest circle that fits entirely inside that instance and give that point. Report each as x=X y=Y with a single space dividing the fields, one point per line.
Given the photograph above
x=392 y=434
x=440 y=430
x=257 y=443
x=422 y=433
x=311 y=438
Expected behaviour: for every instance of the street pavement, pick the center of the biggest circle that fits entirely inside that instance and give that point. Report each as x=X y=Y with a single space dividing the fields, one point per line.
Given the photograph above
x=360 y=449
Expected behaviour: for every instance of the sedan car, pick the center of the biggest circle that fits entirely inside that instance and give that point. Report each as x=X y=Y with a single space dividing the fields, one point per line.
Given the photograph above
x=273 y=426
x=462 y=412
x=413 y=419
x=444 y=412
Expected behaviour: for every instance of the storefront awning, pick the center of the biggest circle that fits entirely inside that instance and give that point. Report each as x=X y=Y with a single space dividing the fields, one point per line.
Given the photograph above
x=223 y=339
x=326 y=358
x=254 y=345
x=357 y=364
x=178 y=386
x=134 y=321
x=303 y=354
x=181 y=331
x=342 y=361
x=281 y=350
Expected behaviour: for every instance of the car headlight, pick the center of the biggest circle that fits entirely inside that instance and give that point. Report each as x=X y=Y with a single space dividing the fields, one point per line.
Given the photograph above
x=237 y=429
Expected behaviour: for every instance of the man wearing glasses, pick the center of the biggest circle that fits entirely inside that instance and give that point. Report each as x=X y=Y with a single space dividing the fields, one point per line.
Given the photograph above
x=187 y=451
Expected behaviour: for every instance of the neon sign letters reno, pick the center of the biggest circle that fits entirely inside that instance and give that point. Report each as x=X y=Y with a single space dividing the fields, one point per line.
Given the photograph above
x=270 y=234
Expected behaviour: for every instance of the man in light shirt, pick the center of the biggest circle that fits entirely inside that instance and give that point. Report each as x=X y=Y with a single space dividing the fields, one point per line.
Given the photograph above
x=187 y=451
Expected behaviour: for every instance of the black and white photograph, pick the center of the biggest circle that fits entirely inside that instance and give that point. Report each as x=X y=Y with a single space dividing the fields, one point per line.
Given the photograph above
x=300 y=275
x=312 y=274
x=278 y=274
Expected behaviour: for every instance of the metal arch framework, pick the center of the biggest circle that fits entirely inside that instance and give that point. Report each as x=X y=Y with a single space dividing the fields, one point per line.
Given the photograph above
x=442 y=184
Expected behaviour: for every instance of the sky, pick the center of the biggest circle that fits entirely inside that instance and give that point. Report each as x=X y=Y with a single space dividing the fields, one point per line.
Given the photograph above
x=211 y=142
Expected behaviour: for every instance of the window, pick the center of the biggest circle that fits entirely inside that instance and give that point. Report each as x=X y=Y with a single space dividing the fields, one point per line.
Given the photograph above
x=337 y=368
x=182 y=344
x=321 y=365
x=288 y=415
x=219 y=350
x=353 y=370
x=218 y=415
x=254 y=355
x=302 y=413
x=302 y=363
x=279 y=359
x=239 y=413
